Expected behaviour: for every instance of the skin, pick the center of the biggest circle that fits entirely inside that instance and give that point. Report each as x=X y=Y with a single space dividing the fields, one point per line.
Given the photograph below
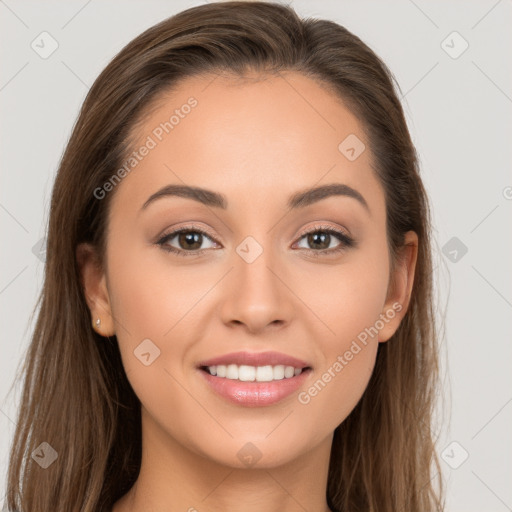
x=256 y=141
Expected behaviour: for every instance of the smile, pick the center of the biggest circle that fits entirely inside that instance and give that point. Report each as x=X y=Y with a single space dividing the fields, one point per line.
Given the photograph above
x=254 y=393
x=246 y=373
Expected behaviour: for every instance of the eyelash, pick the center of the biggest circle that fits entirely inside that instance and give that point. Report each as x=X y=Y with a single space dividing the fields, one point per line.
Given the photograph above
x=346 y=241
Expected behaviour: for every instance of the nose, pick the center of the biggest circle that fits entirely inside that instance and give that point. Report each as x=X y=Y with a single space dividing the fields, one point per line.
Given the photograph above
x=256 y=295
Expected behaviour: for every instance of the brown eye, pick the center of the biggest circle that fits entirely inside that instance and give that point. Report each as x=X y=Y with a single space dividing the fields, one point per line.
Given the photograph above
x=323 y=241
x=319 y=240
x=189 y=241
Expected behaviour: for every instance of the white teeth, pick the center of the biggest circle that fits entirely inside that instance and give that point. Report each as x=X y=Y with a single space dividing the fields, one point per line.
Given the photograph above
x=246 y=373
x=289 y=371
x=254 y=373
x=232 y=371
x=278 y=372
x=264 y=373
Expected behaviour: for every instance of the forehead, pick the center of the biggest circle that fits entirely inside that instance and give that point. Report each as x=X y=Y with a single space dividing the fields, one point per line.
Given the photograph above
x=264 y=135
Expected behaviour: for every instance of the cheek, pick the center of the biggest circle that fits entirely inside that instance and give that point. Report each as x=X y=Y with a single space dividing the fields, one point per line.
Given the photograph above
x=349 y=300
x=348 y=348
x=149 y=301
x=150 y=296
x=347 y=297
x=337 y=387
x=152 y=304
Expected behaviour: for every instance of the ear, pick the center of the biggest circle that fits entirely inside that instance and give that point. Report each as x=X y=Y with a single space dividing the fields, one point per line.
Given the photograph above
x=94 y=284
x=400 y=287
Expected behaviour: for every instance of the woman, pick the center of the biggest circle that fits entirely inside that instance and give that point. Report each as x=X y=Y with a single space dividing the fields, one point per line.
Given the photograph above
x=237 y=308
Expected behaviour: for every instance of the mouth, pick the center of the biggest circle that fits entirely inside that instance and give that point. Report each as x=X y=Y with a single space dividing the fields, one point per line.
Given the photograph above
x=248 y=373
x=254 y=380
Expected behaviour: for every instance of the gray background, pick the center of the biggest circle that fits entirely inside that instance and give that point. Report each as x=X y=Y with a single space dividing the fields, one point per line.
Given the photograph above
x=459 y=112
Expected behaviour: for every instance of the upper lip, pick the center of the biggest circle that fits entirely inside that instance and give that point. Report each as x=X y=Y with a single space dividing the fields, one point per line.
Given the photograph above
x=255 y=359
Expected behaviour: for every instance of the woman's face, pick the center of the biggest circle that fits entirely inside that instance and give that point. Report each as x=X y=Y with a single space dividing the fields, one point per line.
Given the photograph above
x=268 y=274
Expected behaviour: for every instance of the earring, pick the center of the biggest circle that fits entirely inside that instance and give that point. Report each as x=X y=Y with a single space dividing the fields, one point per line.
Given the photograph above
x=98 y=322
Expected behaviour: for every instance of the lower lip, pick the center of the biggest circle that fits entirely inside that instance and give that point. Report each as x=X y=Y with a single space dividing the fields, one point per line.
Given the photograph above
x=255 y=394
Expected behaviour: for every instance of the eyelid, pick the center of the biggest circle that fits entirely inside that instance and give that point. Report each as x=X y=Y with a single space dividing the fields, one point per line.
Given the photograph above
x=171 y=233
x=188 y=227
x=320 y=226
x=346 y=241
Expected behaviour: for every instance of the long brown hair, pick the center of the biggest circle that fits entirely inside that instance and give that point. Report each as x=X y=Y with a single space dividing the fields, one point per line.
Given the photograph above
x=76 y=396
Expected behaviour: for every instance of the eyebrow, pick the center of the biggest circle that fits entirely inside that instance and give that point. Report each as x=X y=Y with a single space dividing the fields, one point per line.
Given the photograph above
x=298 y=200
